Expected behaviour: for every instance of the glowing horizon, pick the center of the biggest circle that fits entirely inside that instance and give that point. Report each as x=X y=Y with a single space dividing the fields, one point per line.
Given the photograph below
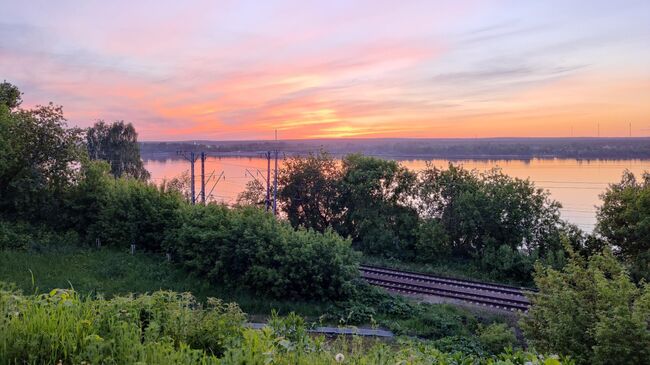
x=237 y=70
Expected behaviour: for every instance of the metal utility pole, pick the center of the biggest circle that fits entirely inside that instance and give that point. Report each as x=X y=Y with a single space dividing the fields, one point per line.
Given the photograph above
x=268 y=180
x=192 y=159
x=630 y=130
x=275 y=186
x=275 y=179
x=203 y=178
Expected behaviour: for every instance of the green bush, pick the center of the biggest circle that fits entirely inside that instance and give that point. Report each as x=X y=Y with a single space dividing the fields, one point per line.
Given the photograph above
x=432 y=241
x=434 y=322
x=14 y=235
x=368 y=304
x=460 y=344
x=624 y=222
x=135 y=212
x=374 y=198
x=21 y=235
x=248 y=247
x=592 y=311
x=496 y=337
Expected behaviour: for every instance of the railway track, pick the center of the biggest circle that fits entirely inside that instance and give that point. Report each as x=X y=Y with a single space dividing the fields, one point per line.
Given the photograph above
x=504 y=297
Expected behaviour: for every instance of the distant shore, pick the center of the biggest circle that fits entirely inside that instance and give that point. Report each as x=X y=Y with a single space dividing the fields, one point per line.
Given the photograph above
x=403 y=149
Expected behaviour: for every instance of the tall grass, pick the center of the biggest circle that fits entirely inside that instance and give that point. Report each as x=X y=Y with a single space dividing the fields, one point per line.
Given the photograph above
x=61 y=327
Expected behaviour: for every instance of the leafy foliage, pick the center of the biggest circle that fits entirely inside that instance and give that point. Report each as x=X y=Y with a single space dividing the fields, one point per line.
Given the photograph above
x=254 y=194
x=309 y=189
x=375 y=194
x=116 y=143
x=432 y=242
x=171 y=328
x=22 y=236
x=10 y=95
x=246 y=246
x=436 y=322
x=135 y=212
x=591 y=311
x=38 y=163
x=496 y=337
x=506 y=222
x=624 y=222
x=61 y=326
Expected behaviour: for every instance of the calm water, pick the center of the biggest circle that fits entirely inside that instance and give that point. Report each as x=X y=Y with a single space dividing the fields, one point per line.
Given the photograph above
x=574 y=183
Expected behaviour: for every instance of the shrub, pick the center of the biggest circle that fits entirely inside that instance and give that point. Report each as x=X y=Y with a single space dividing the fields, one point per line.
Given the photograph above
x=14 y=235
x=432 y=241
x=496 y=337
x=248 y=247
x=624 y=221
x=21 y=235
x=460 y=344
x=435 y=322
x=591 y=311
x=136 y=212
x=375 y=196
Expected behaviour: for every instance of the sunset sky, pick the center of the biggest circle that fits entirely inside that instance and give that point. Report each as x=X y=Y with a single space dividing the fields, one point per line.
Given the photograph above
x=182 y=70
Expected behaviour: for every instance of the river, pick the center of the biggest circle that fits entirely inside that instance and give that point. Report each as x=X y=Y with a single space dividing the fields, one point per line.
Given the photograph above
x=574 y=183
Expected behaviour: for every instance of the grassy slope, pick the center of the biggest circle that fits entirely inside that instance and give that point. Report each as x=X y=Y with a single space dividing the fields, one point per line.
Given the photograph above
x=112 y=272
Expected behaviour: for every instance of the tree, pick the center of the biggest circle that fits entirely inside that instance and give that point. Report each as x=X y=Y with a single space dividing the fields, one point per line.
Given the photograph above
x=505 y=222
x=117 y=143
x=254 y=194
x=308 y=190
x=432 y=241
x=40 y=161
x=89 y=197
x=624 y=222
x=10 y=95
x=591 y=311
x=180 y=184
x=375 y=201
x=476 y=208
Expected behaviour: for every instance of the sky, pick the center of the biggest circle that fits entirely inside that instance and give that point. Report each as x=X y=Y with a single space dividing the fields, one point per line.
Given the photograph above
x=238 y=70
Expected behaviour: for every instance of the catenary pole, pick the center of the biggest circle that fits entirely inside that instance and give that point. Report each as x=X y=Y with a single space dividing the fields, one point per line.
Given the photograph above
x=192 y=190
x=268 y=180
x=275 y=179
x=203 y=178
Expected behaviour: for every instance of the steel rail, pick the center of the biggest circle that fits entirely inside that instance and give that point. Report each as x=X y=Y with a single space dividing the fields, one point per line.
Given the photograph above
x=494 y=295
x=478 y=285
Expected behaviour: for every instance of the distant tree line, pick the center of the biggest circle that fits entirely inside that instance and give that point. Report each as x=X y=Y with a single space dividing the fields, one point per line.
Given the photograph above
x=484 y=148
